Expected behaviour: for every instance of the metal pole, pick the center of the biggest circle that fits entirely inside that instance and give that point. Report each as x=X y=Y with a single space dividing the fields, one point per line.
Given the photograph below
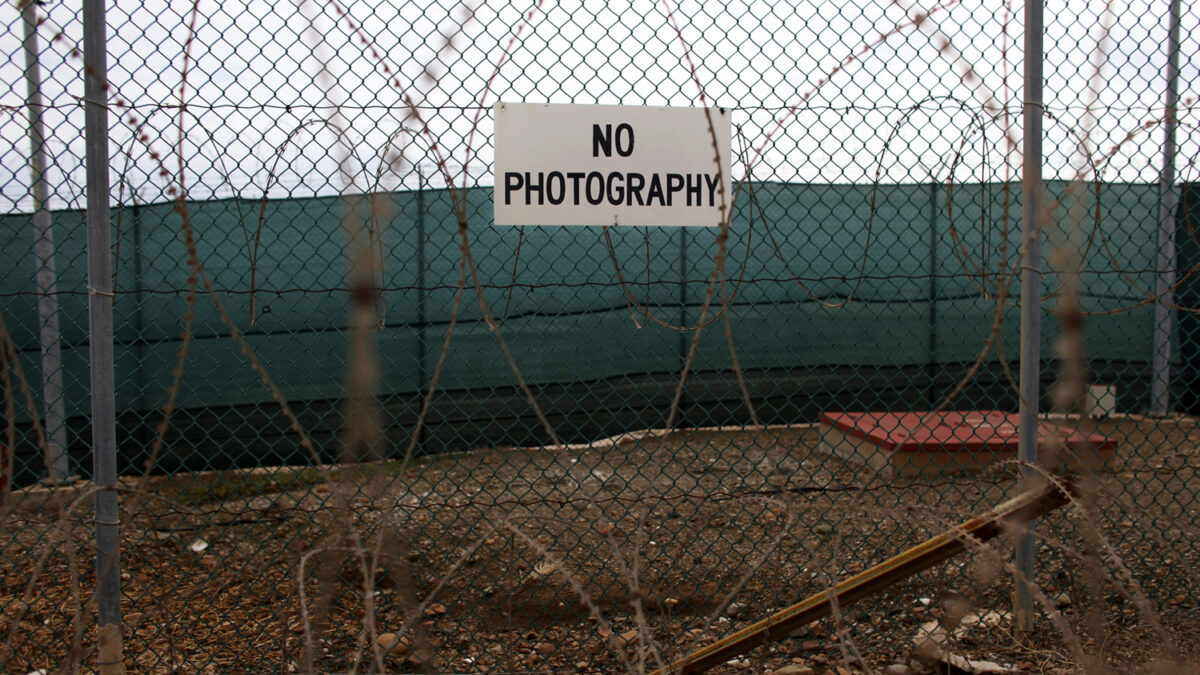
x=1160 y=378
x=100 y=337
x=1031 y=300
x=683 y=313
x=931 y=365
x=57 y=462
x=422 y=365
x=145 y=430
x=874 y=580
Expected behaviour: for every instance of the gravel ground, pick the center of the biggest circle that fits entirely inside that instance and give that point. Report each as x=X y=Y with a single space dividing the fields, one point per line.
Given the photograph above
x=612 y=558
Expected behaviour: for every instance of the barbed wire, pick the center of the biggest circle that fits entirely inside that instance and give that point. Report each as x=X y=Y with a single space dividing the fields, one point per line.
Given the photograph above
x=981 y=272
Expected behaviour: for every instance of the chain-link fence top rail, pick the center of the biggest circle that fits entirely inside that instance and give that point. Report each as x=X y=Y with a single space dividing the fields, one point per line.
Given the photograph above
x=872 y=256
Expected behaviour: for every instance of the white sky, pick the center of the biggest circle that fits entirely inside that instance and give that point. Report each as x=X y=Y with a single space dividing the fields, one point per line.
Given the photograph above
x=262 y=73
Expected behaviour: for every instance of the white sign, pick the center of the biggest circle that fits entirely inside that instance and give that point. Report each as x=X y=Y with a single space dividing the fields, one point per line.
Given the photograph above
x=611 y=165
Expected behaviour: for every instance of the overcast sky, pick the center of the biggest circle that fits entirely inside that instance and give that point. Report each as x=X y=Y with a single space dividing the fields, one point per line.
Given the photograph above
x=270 y=84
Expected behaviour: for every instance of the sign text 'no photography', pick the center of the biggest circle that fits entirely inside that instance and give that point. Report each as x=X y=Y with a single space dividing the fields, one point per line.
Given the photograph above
x=611 y=165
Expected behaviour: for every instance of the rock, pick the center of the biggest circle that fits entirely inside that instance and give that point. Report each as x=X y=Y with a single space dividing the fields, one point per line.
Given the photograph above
x=929 y=638
x=734 y=610
x=897 y=669
x=793 y=669
x=544 y=648
x=956 y=607
x=987 y=619
x=1062 y=600
x=962 y=663
x=626 y=639
x=391 y=644
x=920 y=664
x=824 y=528
x=436 y=609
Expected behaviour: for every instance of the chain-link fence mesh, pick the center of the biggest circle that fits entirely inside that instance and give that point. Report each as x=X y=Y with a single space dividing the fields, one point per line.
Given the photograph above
x=361 y=428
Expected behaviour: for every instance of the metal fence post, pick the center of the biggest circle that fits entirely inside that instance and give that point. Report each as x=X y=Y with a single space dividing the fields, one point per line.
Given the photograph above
x=422 y=359
x=683 y=338
x=57 y=463
x=100 y=337
x=931 y=366
x=1160 y=379
x=1031 y=295
x=139 y=316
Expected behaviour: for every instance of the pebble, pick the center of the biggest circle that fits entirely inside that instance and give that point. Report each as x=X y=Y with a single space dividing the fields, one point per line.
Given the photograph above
x=391 y=644
x=544 y=648
x=824 y=528
x=625 y=639
x=897 y=669
x=793 y=669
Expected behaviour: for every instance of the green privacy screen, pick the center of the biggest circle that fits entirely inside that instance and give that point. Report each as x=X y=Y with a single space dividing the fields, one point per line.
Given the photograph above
x=837 y=296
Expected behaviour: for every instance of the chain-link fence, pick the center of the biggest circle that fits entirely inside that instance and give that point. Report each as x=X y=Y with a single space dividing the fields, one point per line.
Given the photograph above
x=360 y=428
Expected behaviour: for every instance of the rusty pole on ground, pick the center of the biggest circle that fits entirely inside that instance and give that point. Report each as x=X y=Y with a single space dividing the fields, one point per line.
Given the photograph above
x=1014 y=513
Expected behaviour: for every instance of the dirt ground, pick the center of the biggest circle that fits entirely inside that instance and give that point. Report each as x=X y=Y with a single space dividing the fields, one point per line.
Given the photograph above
x=619 y=557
